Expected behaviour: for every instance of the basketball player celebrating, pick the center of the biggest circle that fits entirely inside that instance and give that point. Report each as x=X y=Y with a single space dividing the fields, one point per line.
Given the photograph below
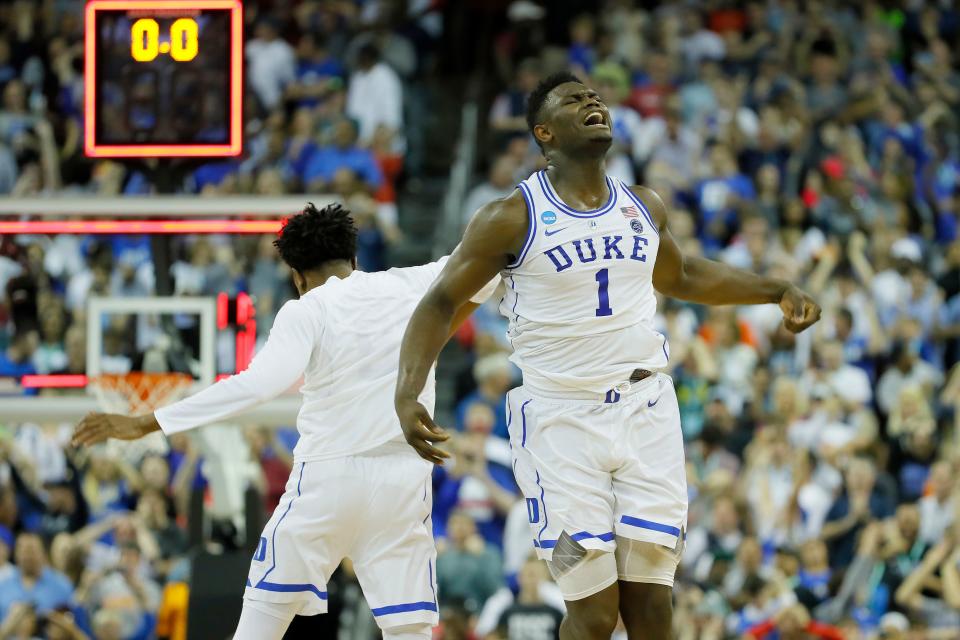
x=595 y=430
x=356 y=490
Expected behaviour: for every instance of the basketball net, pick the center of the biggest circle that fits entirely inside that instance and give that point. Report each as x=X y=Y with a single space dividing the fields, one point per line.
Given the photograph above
x=138 y=393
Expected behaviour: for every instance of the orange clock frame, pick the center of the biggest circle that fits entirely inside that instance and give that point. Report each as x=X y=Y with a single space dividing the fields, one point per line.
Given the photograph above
x=234 y=145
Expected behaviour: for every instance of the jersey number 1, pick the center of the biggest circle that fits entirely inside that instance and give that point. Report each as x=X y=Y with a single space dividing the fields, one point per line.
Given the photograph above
x=603 y=284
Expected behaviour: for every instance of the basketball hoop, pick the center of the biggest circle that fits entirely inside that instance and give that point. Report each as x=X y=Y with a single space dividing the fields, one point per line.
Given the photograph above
x=138 y=393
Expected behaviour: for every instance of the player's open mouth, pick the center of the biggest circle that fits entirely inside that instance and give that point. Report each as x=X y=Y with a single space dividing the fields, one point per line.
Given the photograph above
x=595 y=119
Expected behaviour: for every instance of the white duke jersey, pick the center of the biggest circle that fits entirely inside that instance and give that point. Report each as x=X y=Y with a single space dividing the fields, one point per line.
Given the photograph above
x=579 y=297
x=343 y=338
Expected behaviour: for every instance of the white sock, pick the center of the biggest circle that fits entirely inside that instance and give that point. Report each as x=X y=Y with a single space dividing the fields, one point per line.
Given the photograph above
x=422 y=631
x=263 y=620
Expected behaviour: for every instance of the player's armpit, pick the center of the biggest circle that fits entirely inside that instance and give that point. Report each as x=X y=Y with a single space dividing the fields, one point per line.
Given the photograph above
x=669 y=270
x=496 y=234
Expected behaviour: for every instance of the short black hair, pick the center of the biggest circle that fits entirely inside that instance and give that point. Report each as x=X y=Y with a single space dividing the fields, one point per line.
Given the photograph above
x=539 y=95
x=317 y=236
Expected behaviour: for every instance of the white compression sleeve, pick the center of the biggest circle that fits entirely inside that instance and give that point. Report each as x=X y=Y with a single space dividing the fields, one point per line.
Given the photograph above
x=276 y=367
x=263 y=621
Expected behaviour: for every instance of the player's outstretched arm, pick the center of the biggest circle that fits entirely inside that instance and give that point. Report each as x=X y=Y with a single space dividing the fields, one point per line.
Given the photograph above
x=710 y=282
x=276 y=367
x=496 y=233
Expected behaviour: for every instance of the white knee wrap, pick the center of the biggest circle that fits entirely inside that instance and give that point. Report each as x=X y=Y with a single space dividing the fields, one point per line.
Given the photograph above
x=421 y=631
x=595 y=571
x=646 y=562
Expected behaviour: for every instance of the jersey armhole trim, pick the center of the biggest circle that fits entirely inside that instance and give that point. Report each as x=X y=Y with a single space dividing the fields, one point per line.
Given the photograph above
x=646 y=214
x=531 y=228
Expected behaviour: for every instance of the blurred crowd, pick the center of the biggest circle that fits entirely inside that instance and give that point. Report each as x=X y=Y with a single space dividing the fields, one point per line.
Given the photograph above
x=816 y=141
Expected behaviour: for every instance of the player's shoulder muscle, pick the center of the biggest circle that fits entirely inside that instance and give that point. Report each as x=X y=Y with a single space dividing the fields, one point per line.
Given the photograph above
x=654 y=204
x=500 y=226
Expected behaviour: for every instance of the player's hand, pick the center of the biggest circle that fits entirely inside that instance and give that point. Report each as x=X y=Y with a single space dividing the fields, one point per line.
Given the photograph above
x=97 y=427
x=421 y=431
x=799 y=309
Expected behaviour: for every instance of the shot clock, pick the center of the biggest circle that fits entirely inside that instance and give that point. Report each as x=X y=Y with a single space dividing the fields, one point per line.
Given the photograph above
x=163 y=78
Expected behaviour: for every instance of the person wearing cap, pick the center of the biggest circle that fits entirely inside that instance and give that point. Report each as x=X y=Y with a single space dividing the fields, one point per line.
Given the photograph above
x=612 y=82
x=906 y=369
x=893 y=626
x=889 y=288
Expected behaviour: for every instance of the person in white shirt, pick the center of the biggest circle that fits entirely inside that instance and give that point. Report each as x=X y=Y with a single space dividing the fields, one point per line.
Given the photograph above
x=357 y=490
x=936 y=509
x=375 y=95
x=271 y=63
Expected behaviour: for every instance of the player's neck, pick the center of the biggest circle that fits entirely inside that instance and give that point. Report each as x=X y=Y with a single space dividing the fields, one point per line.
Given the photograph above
x=317 y=277
x=578 y=180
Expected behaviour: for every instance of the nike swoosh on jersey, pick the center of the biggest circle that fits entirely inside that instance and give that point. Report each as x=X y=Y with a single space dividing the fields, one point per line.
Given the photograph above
x=547 y=232
x=652 y=404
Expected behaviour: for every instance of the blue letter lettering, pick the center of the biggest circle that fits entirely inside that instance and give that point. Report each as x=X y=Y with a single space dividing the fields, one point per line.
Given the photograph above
x=556 y=263
x=637 y=255
x=593 y=252
x=610 y=244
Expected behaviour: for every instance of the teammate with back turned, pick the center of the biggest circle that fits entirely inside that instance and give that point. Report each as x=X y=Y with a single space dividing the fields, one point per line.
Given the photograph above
x=356 y=490
x=595 y=429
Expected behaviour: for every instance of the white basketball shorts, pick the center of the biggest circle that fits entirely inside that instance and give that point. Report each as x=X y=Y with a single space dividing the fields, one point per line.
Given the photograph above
x=373 y=508
x=600 y=467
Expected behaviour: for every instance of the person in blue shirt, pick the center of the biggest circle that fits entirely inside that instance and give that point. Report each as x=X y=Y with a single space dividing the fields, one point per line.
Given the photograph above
x=494 y=378
x=318 y=73
x=479 y=482
x=719 y=198
x=16 y=362
x=33 y=582
x=342 y=154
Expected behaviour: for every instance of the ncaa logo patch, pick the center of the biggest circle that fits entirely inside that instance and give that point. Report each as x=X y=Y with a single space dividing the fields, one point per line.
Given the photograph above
x=636 y=225
x=548 y=217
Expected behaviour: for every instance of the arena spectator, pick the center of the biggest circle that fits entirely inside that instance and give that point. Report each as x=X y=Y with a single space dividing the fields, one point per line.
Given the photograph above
x=468 y=569
x=33 y=582
x=342 y=153
x=860 y=502
x=479 y=482
x=375 y=96
x=500 y=182
x=493 y=378
x=271 y=63
x=530 y=617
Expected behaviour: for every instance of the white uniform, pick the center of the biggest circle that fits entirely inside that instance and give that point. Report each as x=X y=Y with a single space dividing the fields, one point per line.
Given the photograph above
x=357 y=489
x=594 y=455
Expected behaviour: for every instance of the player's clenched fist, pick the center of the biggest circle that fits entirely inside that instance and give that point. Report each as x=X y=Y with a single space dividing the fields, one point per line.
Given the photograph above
x=799 y=309
x=421 y=431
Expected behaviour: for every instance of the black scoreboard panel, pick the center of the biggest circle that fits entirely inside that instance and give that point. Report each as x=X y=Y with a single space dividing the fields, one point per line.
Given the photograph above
x=163 y=78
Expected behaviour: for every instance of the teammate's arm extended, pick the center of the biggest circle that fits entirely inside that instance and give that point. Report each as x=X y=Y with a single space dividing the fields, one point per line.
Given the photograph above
x=710 y=282
x=496 y=232
x=276 y=367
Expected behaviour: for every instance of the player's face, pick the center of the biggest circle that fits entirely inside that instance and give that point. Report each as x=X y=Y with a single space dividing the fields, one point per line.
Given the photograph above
x=575 y=117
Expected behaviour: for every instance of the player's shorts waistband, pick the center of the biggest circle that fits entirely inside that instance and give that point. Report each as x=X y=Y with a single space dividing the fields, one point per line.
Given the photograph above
x=633 y=383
